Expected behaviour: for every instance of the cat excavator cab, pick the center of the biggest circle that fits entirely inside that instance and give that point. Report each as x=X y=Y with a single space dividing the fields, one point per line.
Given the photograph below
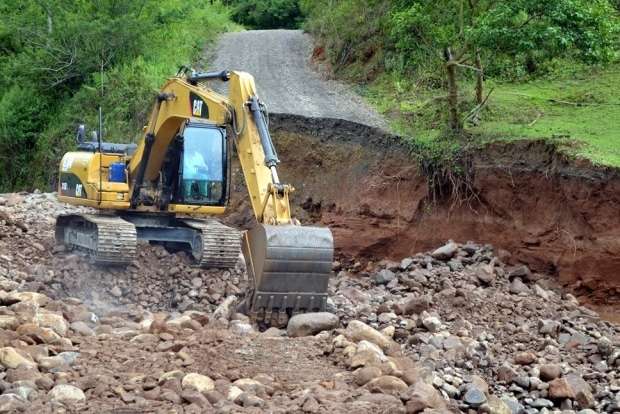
x=161 y=190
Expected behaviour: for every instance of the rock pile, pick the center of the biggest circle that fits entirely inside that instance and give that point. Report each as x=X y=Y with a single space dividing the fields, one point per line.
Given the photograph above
x=486 y=336
x=157 y=280
x=452 y=330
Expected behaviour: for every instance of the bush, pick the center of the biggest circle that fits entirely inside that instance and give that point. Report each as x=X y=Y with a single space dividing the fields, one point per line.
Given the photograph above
x=23 y=115
x=267 y=14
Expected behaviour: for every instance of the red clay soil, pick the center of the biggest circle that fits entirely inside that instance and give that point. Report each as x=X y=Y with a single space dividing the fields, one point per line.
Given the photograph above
x=549 y=213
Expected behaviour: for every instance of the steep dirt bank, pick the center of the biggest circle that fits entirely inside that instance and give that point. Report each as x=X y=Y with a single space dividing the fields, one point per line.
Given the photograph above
x=552 y=214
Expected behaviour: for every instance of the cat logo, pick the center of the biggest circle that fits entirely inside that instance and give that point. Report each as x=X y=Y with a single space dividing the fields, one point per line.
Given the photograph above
x=198 y=106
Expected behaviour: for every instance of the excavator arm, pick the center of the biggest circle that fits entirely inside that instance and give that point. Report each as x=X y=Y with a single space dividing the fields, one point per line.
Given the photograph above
x=289 y=265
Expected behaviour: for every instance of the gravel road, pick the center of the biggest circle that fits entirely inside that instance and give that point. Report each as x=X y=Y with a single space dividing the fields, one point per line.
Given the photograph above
x=279 y=61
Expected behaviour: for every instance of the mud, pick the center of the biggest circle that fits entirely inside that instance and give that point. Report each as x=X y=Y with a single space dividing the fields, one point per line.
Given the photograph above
x=555 y=215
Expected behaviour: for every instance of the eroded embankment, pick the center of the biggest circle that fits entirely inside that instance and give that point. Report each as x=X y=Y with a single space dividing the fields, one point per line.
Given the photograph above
x=550 y=213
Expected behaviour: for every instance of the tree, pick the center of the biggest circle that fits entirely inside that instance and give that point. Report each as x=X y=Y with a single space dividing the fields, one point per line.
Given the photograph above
x=463 y=33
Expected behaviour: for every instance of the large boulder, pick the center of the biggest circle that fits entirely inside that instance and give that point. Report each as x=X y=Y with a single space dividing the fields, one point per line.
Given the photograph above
x=311 y=323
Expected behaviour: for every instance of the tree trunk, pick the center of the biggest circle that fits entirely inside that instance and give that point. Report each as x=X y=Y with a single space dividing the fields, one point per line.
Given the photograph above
x=454 y=123
x=479 y=79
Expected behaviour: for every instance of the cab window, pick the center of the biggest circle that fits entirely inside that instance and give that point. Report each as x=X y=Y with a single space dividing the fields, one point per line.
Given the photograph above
x=203 y=178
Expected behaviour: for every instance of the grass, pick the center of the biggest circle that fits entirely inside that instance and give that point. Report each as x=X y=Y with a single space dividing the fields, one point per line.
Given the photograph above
x=581 y=112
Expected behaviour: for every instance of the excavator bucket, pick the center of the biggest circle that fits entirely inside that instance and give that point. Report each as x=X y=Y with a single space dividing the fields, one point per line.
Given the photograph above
x=290 y=267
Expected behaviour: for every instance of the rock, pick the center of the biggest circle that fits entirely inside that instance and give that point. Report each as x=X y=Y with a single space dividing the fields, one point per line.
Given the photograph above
x=366 y=374
x=387 y=384
x=522 y=272
x=10 y=358
x=514 y=405
x=474 y=397
x=82 y=328
x=53 y=321
x=581 y=391
x=560 y=389
x=506 y=373
x=550 y=372
x=445 y=252
x=198 y=382
x=431 y=323
x=525 y=358
x=8 y=322
x=11 y=403
x=406 y=263
x=605 y=346
x=549 y=327
x=421 y=396
x=517 y=286
x=35 y=298
x=67 y=394
x=241 y=328
x=116 y=292
x=541 y=403
x=195 y=397
x=414 y=305
x=383 y=277
x=306 y=324
x=357 y=331
x=497 y=406
x=233 y=393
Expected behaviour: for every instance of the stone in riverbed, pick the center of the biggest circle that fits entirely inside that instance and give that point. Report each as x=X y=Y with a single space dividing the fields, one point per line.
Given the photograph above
x=10 y=358
x=550 y=372
x=366 y=374
x=387 y=384
x=474 y=397
x=357 y=331
x=445 y=252
x=198 y=382
x=421 y=396
x=11 y=403
x=383 y=277
x=67 y=394
x=306 y=324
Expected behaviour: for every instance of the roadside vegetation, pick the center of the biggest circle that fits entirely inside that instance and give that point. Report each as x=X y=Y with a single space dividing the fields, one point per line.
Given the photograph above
x=453 y=74
x=60 y=60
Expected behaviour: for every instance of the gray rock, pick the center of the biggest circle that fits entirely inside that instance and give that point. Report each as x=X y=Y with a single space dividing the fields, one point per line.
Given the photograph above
x=306 y=324
x=406 y=263
x=474 y=397
x=517 y=286
x=514 y=405
x=67 y=394
x=445 y=252
x=541 y=403
x=383 y=277
x=10 y=403
x=431 y=323
x=522 y=272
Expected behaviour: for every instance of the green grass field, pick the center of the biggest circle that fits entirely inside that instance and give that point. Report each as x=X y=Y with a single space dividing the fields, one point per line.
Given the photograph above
x=579 y=112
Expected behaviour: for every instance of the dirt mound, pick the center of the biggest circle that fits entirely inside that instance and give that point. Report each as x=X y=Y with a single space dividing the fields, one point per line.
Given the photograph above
x=555 y=215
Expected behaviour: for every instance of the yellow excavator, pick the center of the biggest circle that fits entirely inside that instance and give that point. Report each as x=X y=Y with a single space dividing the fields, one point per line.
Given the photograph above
x=158 y=189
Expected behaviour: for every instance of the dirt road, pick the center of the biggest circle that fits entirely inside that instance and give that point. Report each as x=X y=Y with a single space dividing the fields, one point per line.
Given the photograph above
x=280 y=62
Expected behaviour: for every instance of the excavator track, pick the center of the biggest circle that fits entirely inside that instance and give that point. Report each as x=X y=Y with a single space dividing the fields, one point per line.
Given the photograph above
x=220 y=245
x=108 y=240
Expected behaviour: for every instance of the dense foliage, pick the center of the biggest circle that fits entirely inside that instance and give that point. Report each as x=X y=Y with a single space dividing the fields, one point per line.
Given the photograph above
x=266 y=14
x=516 y=38
x=60 y=60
